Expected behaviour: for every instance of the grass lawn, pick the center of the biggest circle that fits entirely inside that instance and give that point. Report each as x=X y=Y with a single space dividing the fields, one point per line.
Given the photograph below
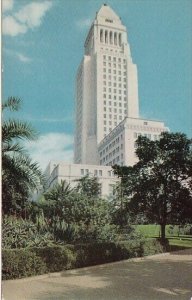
x=176 y=236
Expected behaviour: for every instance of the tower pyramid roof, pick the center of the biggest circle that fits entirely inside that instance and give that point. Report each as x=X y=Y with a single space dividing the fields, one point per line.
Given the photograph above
x=107 y=12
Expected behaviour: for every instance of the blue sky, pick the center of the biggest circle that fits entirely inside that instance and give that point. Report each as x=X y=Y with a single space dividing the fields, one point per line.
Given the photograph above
x=43 y=46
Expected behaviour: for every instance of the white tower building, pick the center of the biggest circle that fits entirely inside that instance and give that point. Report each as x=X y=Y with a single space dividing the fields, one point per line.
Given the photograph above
x=106 y=85
x=107 y=108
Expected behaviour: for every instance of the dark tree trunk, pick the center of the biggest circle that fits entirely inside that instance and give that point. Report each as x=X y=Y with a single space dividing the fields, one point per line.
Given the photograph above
x=163 y=232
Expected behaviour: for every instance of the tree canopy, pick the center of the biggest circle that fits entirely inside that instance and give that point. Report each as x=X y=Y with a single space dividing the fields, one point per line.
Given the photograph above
x=159 y=185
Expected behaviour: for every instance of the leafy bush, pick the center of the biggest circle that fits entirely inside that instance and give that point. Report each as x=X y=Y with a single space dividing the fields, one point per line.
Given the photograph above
x=152 y=246
x=19 y=263
x=57 y=258
x=19 y=233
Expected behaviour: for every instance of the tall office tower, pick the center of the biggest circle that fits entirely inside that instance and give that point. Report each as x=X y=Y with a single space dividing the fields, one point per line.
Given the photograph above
x=106 y=85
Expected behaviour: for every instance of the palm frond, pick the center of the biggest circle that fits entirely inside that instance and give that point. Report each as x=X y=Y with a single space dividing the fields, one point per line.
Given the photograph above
x=21 y=168
x=12 y=148
x=16 y=129
x=12 y=103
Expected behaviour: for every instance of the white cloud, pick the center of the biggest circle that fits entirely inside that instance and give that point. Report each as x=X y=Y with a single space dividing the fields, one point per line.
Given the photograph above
x=23 y=58
x=51 y=146
x=12 y=27
x=33 y=13
x=83 y=23
x=28 y=17
x=7 y=5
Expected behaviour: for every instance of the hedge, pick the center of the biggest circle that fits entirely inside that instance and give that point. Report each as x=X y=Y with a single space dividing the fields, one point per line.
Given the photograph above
x=18 y=263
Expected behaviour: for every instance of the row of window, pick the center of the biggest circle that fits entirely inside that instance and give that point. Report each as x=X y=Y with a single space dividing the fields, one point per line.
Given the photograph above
x=114 y=72
x=120 y=104
x=148 y=135
x=110 y=117
x=115 y=86
x=110 y=37
x=112 y=153
x=114 y=65
x=115 y=59
x=123 y=79
x=109 y=95
x=112 y=162
x=95 y=173
x=120 y=111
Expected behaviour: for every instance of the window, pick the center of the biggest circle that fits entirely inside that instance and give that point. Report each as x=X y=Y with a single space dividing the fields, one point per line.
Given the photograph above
x=145 y=123
x=104 y=95
x=82 y=171
x=95 y=172
x=87 y=171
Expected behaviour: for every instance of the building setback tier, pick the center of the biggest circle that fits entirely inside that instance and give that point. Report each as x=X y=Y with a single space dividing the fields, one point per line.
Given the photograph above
x=119 y=146
x=71 y=173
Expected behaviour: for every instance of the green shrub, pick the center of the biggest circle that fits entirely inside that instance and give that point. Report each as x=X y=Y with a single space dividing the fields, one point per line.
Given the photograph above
x=18 y=263
x=20 y=233
x=152 y=246
x=57 y=258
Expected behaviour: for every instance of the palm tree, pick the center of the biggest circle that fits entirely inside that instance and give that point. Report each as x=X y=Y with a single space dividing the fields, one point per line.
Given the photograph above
x=20 y=176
